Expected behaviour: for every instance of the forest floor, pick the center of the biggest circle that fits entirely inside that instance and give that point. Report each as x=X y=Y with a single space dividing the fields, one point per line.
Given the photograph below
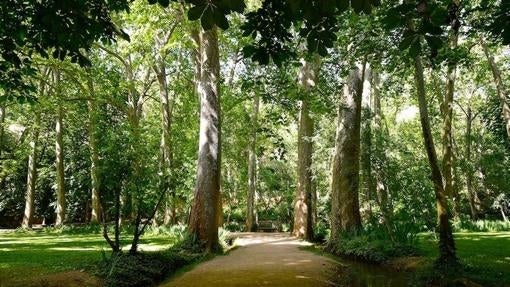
x=262 y=259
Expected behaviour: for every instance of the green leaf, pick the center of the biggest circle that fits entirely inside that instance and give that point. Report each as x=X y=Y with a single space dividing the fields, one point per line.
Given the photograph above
x=220 y=19
x=195 y=12
x=438 y=16
x=237 y=5
x=207 y=19
x=415 y=48
x=342 y=5
x=164 y=3
x=406 y=42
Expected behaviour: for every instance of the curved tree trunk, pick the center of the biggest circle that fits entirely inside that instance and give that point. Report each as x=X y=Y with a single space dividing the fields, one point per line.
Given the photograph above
x=502 y=90
x=251 y=216
x=446 y=242
x=303 y=210
x=59 y=155
x=32 y=174
x=345 y=214
x=206 y=206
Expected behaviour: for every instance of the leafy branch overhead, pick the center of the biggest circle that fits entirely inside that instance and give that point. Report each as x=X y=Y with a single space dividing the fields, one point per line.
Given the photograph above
x=316 y=21
x=210 y=12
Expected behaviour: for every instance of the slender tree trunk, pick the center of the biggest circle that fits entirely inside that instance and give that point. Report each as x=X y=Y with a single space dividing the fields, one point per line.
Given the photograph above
x=206 y=204
x=502 y=90
x=470 y=170
x=345 y=214
x=303 y=211
x=251 y=217
x=2 y=129
x=94 y=156
x=379 y=165
x=446 y=242
x=368 y=187
x=59 y=154
x=166 y=145
x=32 y=174
x=447 y=110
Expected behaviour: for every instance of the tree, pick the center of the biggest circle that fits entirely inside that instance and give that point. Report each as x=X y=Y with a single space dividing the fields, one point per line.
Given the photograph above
x=59 y=153
x=303 y=210
x=345 y=214
x=206 y=206
x=251 y=216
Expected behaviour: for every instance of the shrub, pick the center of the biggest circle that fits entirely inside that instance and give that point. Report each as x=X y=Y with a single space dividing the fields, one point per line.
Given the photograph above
x=467 y=225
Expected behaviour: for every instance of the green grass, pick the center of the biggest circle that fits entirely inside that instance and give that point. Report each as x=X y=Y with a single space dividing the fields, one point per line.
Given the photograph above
x=486 y=254
x=30 y=254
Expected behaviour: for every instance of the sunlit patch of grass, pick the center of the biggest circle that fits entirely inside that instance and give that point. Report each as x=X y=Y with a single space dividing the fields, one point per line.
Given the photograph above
x=29 y=254
x=484 y=252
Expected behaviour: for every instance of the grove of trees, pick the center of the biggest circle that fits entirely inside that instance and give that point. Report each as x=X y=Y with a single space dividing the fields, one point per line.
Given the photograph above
x=330 y=114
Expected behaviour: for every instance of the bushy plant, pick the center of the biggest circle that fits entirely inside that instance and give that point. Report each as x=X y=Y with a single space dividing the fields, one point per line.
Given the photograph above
x=468 y=225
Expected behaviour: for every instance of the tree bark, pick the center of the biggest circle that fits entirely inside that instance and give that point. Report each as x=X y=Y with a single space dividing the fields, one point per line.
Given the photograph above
x=502 y=90
x=206 y=207
x=446 y=242
x=2 y=129
x=469 y=169
x=165 y=145
x=447 y=109
x=32 y=174
x=251 y=217
x=94 y=156
x=379 y=165
x=59 y=156
x=345 y=214
x=303 y=211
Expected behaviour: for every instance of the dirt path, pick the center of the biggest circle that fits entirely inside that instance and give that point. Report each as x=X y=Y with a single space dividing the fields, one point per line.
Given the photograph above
x=263 y=259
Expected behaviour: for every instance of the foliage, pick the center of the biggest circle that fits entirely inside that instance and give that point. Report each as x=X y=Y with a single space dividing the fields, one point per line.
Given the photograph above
x=468 y=225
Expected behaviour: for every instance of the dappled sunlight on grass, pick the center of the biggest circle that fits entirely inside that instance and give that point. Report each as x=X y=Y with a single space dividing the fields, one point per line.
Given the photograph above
x=26 y=254
x=486 y=251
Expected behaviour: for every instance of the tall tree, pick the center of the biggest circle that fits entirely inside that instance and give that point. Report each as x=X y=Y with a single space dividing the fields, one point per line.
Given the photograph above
x=206 y=206
x=59 y=152
x=446 y=242
x=345 y=214
x=32 y=172
x=448 y=102
x=96 y=212
x=2 y=129
x=303 y=211
x=379 y=166
x=251 y=216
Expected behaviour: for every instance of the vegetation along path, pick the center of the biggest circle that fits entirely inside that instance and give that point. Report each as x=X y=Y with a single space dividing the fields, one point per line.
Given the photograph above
x=263 y=259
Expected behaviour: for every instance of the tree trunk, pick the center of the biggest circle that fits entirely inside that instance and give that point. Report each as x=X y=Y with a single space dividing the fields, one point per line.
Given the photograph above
x=447 y=109
x=345 y=214
x=32 y=174
x=470 y=170
x=368 y=188
x=166 y=146
x=502 y=90
x=94 y=156
x=303 y=211
x=2 y=129
x=379 y=165
x=206 y=204
x=59 y=155
x=446 y=241
x=251 y=217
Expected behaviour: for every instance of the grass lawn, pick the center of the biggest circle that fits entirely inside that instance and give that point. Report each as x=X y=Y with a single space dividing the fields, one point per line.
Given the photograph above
x=487 y=253
x=30 y=254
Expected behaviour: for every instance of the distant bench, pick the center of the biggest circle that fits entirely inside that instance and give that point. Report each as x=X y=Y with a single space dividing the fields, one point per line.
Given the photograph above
x=267 y=225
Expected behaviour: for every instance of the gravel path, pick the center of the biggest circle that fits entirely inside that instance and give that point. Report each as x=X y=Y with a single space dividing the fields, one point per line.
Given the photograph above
x=263 y=259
